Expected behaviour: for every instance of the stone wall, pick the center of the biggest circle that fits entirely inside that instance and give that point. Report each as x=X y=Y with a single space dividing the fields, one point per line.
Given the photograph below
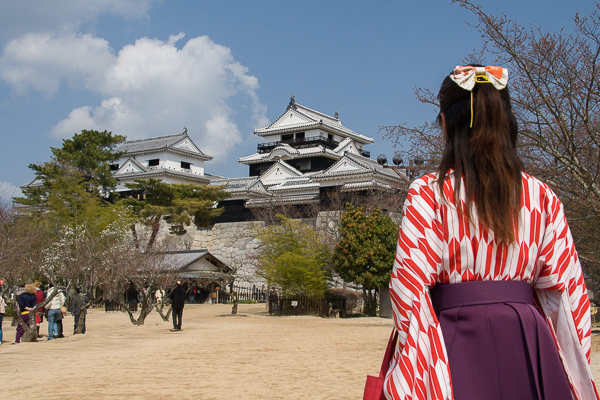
x=234 y=244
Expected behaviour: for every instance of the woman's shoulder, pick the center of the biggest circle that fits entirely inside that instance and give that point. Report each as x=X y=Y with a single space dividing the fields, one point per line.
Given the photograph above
x=428 y=180
x=535 y=185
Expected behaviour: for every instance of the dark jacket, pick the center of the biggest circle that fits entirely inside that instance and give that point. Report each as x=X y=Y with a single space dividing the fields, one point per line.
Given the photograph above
x=178 y=297
x=27 y=300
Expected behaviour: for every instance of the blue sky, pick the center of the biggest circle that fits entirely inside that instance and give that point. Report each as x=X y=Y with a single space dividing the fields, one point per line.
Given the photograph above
x=146 y=68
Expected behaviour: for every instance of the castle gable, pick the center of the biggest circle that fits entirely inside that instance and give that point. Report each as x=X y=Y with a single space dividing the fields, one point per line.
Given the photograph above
x=187 y=145
x=130 y=166
x=345 y=166
x=278 y=173
x=291 y=118
x=347 y=146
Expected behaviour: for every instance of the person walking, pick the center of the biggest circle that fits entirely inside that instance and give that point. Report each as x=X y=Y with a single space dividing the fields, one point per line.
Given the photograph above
x=2 y=311
x=488 y=295
x=54 y=307
x=177 y=297
x=40 y=297
x=27 y=301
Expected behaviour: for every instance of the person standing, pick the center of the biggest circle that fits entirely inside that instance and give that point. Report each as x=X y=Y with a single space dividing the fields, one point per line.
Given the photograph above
x=81 y=303
x=27 y=301
x=59 y=322
x=2 y=311
x=40 y=297
x=54 y=312
x=177 y=297
x=487 y=289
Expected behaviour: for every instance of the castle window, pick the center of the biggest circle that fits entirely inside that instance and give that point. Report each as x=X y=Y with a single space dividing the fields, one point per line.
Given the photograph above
x=114 y=167
x=186 y=165
x=154 y=162
x=300 y=136
x=287 y=138
x=303 y=165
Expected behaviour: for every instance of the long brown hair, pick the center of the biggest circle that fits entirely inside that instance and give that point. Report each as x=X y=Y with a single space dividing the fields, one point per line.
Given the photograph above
x=484 y=156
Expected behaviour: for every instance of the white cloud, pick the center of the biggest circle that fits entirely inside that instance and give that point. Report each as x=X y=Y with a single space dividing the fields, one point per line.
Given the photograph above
x=20 y=17
x=8 y=191
x=42 y=61
x=151 y=87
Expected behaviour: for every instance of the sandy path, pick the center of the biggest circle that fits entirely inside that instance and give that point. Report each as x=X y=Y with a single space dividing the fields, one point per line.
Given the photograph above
x=216 y=356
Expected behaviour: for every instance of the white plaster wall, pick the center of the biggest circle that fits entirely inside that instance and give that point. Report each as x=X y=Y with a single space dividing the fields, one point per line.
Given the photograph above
x=169 y=161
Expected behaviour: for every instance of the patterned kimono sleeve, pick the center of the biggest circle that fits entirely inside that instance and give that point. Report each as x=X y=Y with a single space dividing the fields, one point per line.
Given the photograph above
x=419 y=369
x=562 y=295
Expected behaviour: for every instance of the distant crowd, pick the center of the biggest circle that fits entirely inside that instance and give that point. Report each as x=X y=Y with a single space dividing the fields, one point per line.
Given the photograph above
x=30 y=316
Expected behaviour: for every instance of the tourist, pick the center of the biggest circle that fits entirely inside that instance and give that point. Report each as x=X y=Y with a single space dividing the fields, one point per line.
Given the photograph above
x=159 y=295
x=81 y=303
x=54 y=307
x=2 y=311
x=481 y=246
x=27 y=302
x=40 y=297
x=177 y=297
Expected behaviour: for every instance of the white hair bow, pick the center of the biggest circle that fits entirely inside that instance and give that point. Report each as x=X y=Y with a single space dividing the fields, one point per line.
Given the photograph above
x=467 y=76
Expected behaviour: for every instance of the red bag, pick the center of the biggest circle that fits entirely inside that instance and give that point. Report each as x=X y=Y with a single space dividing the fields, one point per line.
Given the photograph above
x=374 y=385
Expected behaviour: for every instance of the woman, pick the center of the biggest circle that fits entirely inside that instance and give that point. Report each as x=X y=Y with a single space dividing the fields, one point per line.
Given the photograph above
x=2 y=311
x=487 y=285
x=54 y=307
x=27 y=301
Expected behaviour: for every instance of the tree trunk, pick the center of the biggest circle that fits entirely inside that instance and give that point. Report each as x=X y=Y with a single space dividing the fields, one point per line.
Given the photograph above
x=234 y=298
x=145 y=309
x=135 y=236
x=80 y=323
x=154 y=234
x=30 y=334
x=370 y=299
x=159 y=309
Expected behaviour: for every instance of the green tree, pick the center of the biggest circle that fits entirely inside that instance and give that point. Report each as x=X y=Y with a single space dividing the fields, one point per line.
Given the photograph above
x=90 y=153
x=179 y=205
x=293 y=258
x=365 y=252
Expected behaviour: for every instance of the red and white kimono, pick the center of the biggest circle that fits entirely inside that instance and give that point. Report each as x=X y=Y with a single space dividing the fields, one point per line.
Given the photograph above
x=435 y=245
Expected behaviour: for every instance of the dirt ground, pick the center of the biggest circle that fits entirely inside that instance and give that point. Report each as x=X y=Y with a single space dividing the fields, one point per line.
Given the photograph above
x=216 y=356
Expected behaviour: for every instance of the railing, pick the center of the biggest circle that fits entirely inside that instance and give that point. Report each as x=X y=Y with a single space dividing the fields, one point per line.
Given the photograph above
x=322 y=306
x=249 y=294
x=299 y=143
x=114 y=306
x=298 y=305
x=305 y=142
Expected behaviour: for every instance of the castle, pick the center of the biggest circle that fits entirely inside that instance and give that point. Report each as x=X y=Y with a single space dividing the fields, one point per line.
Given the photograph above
x=306 y=157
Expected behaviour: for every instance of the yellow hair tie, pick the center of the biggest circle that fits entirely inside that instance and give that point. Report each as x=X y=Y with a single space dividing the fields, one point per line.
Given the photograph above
x=478 y=79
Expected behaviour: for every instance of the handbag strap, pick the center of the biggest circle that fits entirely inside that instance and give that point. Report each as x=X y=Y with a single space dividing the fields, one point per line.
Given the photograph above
x=389 y=352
